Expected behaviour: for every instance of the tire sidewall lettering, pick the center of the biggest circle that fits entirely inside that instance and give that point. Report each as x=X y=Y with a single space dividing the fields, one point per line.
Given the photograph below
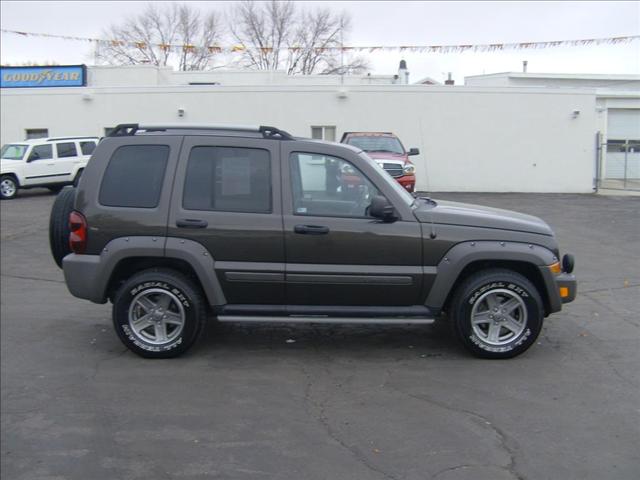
x=473 y=298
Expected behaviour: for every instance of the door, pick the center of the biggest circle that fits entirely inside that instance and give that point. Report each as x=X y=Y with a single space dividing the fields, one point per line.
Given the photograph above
x=336 y=253
x=67 y=159
x=41 y=166
x=227 y=198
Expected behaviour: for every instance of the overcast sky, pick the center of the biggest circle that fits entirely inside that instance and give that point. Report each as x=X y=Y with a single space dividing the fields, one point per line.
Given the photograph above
x=380 y=23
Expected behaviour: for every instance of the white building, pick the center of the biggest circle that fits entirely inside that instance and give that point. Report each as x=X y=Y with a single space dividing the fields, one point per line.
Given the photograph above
x=472 y=138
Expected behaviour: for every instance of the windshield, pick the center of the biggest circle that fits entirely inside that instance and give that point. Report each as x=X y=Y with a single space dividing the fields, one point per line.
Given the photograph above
x=395 y=185
x=13 y=152
x=377 y=144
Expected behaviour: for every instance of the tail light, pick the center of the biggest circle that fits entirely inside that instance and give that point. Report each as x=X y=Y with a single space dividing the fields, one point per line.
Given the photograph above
x=78 y=234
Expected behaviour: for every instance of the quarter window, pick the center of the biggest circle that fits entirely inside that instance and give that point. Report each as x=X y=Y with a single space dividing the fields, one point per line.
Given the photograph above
x=134 y=176
x=41 y=152
x=228 y=179
x=67 y=149
x=329 y=186
x=87 y=147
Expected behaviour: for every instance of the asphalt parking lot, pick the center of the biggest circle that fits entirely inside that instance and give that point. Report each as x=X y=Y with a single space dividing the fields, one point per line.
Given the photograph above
x=326 y=402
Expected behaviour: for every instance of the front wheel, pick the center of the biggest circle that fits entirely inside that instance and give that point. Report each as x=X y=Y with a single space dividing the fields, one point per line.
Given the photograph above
x=8 y=187
x=497 y=313
x=159 y=313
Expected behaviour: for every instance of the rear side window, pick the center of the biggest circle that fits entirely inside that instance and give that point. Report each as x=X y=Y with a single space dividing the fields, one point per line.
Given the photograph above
x=134 y=176
x=67 y=149
x=41 y=152
x=228 y=179
x=87 y=147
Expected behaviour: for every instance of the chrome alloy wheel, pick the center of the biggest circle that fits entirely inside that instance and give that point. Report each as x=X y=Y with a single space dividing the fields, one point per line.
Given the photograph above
x=156 y=316
x=499 y=316
x=8 y=187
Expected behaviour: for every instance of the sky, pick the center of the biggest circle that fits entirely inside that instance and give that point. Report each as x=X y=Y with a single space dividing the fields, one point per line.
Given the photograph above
x=379 y=23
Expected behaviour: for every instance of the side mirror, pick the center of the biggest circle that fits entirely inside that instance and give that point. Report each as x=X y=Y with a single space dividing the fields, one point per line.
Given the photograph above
x=413 y=151
x=382 y=209
x=32 y=157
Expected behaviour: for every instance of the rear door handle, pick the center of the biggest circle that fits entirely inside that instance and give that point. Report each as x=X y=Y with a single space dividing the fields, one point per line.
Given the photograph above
x=311 y=229
x=191 y=223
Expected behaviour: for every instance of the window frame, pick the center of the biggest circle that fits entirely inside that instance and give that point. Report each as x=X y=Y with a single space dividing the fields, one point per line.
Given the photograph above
x=291 y=161
x=270 y=211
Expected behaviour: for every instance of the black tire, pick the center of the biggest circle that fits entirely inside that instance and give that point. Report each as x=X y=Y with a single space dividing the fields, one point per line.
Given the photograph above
x=76 y=181
x=498 y=334
x=59 y=224
x=177 y=295
x=8 y=187
x=56 y=189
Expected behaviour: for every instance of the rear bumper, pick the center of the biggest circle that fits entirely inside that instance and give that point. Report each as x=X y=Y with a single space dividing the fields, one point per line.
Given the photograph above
x=408 y=182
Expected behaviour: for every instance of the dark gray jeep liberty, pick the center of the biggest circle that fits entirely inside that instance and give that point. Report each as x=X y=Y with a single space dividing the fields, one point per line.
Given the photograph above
x=177 y=223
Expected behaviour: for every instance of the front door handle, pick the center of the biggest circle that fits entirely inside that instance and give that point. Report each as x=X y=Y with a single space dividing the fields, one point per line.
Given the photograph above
x=311 y=229
x=191 y=223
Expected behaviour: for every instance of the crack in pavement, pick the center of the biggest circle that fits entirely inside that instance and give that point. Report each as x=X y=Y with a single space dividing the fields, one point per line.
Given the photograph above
x=21 y=277
x=504 y=440
x=322 y=418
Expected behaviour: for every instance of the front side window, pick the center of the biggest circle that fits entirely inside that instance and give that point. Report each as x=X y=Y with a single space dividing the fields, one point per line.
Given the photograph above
x=67 y=149
x=329 y=186
x=13 y=152
x=134 y=176
x=41 y=152
x=376 y=144
x=228 y=179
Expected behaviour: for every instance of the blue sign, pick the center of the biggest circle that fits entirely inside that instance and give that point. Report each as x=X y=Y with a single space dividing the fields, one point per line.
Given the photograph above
x=38 y=77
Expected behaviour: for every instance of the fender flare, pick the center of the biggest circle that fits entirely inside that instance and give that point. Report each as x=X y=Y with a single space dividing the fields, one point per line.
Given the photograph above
x=463 y=254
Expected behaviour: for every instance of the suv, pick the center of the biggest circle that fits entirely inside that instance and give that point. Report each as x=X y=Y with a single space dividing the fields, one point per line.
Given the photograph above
x=43 y=162
x=176 y=223
x=387 y=150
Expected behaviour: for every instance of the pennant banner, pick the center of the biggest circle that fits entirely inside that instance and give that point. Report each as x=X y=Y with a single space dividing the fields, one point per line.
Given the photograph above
x=215 y=49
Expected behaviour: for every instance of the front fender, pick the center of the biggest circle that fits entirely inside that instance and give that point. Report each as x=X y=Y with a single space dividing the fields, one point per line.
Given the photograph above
x=463 y=254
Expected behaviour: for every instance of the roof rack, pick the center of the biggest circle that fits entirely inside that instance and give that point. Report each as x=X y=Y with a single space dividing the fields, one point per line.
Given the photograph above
x=130 y=129
x=56 y=139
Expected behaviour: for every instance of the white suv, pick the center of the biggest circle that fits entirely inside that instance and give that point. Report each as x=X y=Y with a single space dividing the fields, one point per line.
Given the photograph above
x=43 y=162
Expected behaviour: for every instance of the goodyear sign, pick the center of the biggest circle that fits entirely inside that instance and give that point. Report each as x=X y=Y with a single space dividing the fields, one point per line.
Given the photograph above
x=37 y=77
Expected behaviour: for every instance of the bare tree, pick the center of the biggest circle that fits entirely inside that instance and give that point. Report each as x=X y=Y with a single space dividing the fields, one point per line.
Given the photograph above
x=275 y=35
x=174 y=35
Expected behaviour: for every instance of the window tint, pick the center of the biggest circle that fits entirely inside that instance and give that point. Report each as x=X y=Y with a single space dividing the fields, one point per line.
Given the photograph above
x=134 y=176
x=67 y=149
x=87 y=147
x=41 y=152
x=228 y=179
x=329 y=186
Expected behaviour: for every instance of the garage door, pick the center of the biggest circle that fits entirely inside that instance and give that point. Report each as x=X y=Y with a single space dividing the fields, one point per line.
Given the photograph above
x=623 y=144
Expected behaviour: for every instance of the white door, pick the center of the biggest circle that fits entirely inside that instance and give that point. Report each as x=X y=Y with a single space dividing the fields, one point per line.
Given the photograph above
x=41 y=166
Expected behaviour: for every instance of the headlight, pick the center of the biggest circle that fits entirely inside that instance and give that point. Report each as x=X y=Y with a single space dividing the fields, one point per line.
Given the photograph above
x=409 y=169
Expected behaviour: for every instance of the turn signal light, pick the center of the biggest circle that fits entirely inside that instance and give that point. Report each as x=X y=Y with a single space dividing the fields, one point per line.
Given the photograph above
x=555 y=268
x=78 y=234
x=564 y=292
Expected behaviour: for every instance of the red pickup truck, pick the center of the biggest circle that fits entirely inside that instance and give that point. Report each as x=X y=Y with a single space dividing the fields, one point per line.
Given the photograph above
x=387 y=150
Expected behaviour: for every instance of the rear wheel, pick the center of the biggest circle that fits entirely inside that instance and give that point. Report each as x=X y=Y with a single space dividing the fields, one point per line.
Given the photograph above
x=8 y=187
x=59 y=224
x=159 y=313
x=497 y=313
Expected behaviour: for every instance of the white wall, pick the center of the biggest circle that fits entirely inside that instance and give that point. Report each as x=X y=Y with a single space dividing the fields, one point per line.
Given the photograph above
x=471 y=139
